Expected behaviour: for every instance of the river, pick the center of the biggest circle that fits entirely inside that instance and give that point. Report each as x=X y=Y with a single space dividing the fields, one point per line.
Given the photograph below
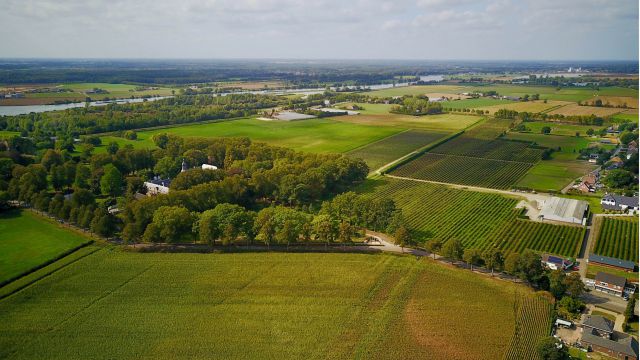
x=26 y=109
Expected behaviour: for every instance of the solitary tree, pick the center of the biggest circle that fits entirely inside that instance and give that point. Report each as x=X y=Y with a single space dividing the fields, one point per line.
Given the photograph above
x=433 y=246
x=472 y=257
x=493 y=259
x=112 y=181
x=452 y=249
x=402 y=237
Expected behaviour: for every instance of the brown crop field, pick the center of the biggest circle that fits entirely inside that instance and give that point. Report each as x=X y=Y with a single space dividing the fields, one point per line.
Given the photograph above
x=615 y=101
x=526 y=106
x=575 y=109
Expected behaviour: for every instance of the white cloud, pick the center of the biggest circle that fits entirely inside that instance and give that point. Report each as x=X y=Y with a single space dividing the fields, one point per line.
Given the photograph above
x=513 y=29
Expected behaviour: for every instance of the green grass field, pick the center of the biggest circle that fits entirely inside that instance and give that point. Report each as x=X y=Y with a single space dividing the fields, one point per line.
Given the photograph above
x=417 y=90
x=554 y=174
x=473 y=103
x=551 y=93
x=27 y=240
x=569 y=145
x=8 y=134
x=560 y=129
x=114 y=304
x=386 y=150
x=315 y=135
x=439 y=123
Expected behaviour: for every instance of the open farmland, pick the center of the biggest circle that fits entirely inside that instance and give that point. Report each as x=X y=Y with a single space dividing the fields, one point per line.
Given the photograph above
x=114 y=304
x=489 y=129
x=489 y=149
x=535 y=316
x=525 y=106
x=463 y=170
x=557 y=128
x=618 y=238
x=417 y=90
x=386 y=150
x=615 y=101
x=575 y=109
x=315 y=135
x=478 y=220
x=473 y=103
x=554 y=175
x=27 y=241
x=439 y=122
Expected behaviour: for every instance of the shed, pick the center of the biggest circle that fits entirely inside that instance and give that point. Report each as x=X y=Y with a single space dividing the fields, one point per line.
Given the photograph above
x=564 y=210
x=612 y=262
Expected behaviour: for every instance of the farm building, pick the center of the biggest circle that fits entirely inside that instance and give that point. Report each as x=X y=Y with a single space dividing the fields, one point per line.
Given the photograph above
x=598 y=334
x=612 y=262
x=619 y=202
x=564 y=210
x=610 y=284
x=286 y=116
x=209 y=167
x=555 y=262
x=157 y=186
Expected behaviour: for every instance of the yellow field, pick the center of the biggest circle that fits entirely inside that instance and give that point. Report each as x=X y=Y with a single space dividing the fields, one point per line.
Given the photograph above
x=529 y=106
x=616 y=101
x=575 y=109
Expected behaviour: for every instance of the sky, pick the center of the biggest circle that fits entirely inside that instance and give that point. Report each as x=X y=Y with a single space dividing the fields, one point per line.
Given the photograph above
x=321 y=29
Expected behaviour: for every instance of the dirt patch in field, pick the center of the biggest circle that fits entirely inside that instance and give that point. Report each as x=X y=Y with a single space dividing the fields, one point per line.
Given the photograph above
x=575 y=109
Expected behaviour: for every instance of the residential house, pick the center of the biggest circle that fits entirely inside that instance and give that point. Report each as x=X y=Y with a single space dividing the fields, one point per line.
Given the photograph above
x=617 y=346
x=593 y=158
x=555 y=262
x=612 y=262
x=157 y=186
x=620 y=203
x=610 y=284
x=598 y=325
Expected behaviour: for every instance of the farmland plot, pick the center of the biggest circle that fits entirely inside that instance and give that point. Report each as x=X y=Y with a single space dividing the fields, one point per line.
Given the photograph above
x=533 y=323
x=463 y=170
x=386 y=150
x=489 y=149
x=122 y=305
x=618 y=238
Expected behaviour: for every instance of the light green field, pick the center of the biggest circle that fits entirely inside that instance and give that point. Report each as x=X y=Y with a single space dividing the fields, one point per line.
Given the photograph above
x=625 y=118
x=314 y=135
x=120 y=305
x=526 y=106
x=560 y=129
x=569 y=145
x=439 y=123
x=370 y=109
x=551 y=93
x=473 y=103
x=26 y=241
x=554 y=174
x=417 y=90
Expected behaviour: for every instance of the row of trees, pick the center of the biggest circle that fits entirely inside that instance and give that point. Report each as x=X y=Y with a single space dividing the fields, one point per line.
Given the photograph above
x=417 y=105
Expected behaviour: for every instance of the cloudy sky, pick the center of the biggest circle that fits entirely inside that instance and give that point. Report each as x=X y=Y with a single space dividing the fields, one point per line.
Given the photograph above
x=336 y=29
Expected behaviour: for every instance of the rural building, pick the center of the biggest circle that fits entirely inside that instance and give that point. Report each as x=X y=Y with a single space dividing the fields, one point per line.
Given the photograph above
x=618 y=346
x=598 y=325
x=290 y=116
x=619 y=202
x=564 y=210
x=611 y=262
x=555 y=262
x=209 y=167
x=157 y=186
x=610 y=284
x=585 y=187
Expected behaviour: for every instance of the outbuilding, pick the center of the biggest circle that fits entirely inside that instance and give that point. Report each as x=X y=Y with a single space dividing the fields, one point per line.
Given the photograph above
x=564 y=210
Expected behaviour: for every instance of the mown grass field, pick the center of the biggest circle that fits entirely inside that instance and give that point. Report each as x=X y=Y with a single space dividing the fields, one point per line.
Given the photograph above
x=114 y=304
x=474 y=103
x=27 y=240
x=386 y=150
x=535 y=127
x=314 y=135
x=618 y=238
x=478 y=220
x=554 y=174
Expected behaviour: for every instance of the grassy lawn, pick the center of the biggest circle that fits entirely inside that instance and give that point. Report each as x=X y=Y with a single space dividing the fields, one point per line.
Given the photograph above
x=474 y=103
x=28 y=240
x=554 y=174
x=315 y=135
x=114 y=304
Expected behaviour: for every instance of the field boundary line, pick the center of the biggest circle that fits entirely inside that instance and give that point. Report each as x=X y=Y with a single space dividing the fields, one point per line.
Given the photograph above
x=91 y=303
x=46 y=274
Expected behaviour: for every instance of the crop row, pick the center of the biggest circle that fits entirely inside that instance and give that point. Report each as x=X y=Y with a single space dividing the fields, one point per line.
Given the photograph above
x=464 y=170
x=490 y=149
x=478 y=220
x=386 y=150
x=618 y=238
x=533 y=322
x=524 y=234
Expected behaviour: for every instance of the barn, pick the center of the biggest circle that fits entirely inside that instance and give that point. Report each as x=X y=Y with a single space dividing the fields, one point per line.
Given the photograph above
x=564 y=210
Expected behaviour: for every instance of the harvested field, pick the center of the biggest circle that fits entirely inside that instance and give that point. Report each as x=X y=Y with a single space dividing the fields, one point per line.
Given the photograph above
x=615 y=101
x=575 y=109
